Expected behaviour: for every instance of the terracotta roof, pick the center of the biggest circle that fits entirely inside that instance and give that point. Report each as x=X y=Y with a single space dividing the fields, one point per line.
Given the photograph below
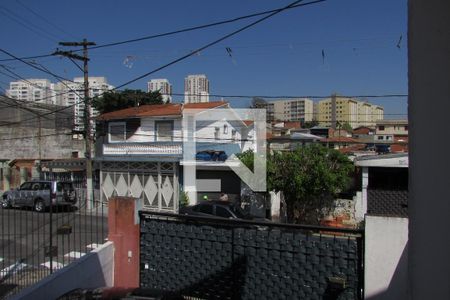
x=352 y=148
x=205 y=105
x=292 y=125
x=143 y=111
x=172 y=109
x=363 y=130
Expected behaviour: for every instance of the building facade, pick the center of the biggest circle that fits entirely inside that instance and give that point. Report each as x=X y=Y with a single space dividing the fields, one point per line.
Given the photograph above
x=33 y=90
x=72 y=94
x=196 y=89
x=163 y=86
x=392 y=130
x=293 y=110
x=340 y=110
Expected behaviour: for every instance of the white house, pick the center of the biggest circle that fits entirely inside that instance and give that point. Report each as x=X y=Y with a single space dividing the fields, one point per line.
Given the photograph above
x=140 y=151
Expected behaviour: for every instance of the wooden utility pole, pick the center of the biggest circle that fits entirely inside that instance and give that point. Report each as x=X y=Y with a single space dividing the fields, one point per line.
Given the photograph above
x=87 y=112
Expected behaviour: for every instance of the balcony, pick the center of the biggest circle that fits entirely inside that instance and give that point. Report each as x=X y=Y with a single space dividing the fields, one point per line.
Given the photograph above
x=156 y=148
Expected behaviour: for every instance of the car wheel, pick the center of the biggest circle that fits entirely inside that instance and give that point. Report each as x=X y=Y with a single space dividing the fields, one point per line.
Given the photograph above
x=39 y=205
x=6 y=202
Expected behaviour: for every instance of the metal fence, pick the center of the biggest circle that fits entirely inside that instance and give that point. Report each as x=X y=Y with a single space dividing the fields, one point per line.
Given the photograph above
x=208 y=258
x=33 y=244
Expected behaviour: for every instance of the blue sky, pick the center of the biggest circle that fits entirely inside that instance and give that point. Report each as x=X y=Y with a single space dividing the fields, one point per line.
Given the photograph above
x=281 y=56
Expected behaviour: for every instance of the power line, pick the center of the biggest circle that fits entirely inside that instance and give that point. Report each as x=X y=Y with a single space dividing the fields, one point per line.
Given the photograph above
x=175 y=31
x=30 y=137
x=44 y=19
x=293 y=97
x=219 y=40
x=28 y=25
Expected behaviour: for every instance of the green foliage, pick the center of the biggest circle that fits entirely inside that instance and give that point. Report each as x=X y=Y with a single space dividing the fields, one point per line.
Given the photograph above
x=258 y=102
x=347 y=127
x=310 y=124
x=112 y=101
x=184 y=199
x=309 y=177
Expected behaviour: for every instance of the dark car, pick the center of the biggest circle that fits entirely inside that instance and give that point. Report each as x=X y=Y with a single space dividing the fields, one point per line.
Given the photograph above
x=40 y=195
x=221 y=209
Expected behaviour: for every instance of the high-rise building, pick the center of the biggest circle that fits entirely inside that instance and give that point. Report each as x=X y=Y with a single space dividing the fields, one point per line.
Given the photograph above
x=33 y=90
x=340 y=110
x=196 y=89
x=163 y=86
x=72 y=94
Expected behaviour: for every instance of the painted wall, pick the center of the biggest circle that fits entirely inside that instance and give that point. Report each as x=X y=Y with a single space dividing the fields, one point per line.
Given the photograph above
x=429 y=208
x=386 y=258
x=93 y=270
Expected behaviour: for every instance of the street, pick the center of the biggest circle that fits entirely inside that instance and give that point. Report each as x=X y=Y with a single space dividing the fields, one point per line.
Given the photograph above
x=31 y=238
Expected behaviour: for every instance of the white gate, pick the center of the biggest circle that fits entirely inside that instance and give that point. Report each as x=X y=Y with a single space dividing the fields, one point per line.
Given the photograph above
x=155 y=183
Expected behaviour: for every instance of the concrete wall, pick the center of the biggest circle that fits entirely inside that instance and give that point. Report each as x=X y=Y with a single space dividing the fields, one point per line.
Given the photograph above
x=386 y=258
x=53 y=143
x=93 y=270
x=429 y=105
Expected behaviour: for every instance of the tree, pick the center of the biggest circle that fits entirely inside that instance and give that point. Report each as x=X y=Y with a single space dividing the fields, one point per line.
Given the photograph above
x=347 y=127
x=111 y=101
x=310 y=177
x=310 y=124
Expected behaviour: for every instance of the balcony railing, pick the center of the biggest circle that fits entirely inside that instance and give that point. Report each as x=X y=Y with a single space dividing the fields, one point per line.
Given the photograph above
x=157 y=148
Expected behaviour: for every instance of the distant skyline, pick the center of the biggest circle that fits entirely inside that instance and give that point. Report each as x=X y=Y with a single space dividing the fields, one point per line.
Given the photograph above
x=349 y=47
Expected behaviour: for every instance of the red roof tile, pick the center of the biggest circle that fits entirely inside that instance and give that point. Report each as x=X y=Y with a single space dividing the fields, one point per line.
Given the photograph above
x=172 y=109
x=205 y=105
x=143 y=111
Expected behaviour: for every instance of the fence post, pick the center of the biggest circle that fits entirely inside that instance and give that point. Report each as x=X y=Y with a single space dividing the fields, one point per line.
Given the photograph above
x=124 y=232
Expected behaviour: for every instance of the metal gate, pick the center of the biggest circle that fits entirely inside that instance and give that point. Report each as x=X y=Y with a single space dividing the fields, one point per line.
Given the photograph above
x=155 y=183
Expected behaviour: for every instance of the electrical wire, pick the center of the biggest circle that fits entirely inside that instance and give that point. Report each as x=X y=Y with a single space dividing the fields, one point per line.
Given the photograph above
x=177 y=31
x=218 y=40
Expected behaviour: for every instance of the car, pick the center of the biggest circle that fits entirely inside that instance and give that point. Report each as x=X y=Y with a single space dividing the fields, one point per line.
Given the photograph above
x=40 y=194
x=216 y=208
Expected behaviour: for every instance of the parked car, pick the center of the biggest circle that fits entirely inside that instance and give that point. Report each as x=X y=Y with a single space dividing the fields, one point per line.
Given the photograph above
x=216 y=208
x=38 y=194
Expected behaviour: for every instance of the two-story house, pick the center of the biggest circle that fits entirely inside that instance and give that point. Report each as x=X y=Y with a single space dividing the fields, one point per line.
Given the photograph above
x=391 y=130
x=140 y=152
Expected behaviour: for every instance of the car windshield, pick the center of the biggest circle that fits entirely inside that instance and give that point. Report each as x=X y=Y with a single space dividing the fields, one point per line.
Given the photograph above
x=240 y=213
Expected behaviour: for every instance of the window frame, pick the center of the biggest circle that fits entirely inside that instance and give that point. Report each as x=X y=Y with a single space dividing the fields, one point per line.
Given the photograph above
x=157 y=123
x=124 y=124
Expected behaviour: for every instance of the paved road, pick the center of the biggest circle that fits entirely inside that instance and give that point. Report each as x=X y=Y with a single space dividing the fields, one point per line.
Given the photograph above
x=25 y=236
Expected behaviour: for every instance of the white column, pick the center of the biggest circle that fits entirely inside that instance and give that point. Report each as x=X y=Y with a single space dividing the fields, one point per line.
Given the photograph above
x=189 y=183
x=365 y=184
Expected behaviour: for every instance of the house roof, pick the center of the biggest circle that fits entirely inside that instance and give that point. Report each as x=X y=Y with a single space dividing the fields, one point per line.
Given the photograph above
x=362 y=130
x=158 y=110
x=392 y=122
x=205 y=105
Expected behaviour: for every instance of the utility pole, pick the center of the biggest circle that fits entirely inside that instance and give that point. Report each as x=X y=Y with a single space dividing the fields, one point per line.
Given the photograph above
x=87 y=111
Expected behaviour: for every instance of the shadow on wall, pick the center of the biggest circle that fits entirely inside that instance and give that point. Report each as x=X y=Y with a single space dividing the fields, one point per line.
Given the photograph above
x=398 y=286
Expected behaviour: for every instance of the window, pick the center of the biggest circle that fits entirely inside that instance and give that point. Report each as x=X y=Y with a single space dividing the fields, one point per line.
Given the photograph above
x=406 y=128
x=223 y=212
x=164 y=131
x=117 y=132
x=225 y=129
x=233 y=134
x=380 y=137
x=381 y=128
x=25 y=186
